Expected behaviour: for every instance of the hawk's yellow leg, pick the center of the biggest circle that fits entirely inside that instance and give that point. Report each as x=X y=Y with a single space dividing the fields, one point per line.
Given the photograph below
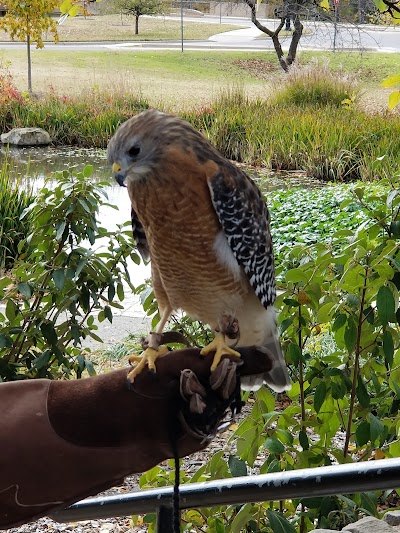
x=153 y=351
x=219 y=346
x=148 y=357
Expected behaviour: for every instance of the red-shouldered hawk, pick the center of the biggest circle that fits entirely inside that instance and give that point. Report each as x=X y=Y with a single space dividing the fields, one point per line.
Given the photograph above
x=205 y=227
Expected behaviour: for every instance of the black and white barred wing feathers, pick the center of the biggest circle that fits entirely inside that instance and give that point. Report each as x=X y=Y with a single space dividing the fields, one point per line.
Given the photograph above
x=140 y=236
x=244 y=218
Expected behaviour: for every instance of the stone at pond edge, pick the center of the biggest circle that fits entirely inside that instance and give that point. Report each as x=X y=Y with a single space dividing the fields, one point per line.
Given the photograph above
x=323 y=531
x=369 y=524
x=392 y=518
x=26 y=137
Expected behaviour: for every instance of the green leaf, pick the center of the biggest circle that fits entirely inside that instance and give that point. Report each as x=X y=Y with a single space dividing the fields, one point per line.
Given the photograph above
x=266 y=397
x=25 y=289
x=395 y=228
x=59 y=278
x=5 y=341
x=350 y=335
x=324 y=312
x=89 y=366
x=12 y=310
x=241 y=519
x=49 y=333
x=362 y=393
x=111 y=292
x=88 y=169
x=319 y=396
x=376 y=427
x=386 y=305
x=340 y=321
x=274 y=445
x=120 y=291
x=294 y=353
x=296 y=275
x=237 y=466
x=363 y=433
x=108 y=313
x=278 y=523
x=43 y=360
x=388 y=347
x=60 y=229
x=303 y=439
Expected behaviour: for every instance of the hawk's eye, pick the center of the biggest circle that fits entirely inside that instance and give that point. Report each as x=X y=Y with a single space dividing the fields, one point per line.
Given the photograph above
x=134 y=151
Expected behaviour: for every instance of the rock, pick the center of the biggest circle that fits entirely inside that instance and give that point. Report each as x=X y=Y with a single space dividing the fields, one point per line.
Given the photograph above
x=26 y=137
x=369 y=524
x=108 y=527
x=323 y=531
x=392 y=518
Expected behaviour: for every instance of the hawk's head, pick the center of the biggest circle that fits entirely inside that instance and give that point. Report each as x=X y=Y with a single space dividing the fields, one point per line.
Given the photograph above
x=142 y=143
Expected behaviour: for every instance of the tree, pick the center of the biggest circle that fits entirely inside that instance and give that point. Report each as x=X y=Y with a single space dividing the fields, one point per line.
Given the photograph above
x=292 y=11
x=137 y=8
x=27 y=21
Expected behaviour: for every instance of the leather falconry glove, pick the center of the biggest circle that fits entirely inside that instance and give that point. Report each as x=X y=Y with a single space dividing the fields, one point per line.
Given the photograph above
x=62 y=441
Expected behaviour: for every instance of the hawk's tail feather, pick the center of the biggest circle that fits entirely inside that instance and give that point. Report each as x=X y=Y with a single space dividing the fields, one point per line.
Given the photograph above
x=277 y=378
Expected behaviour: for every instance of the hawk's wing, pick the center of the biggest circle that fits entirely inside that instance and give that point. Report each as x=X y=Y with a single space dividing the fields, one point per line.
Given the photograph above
x=140 y=236
x=244 y=218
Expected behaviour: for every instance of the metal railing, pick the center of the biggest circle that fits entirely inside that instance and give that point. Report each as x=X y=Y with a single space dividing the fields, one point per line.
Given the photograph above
x=322 y=481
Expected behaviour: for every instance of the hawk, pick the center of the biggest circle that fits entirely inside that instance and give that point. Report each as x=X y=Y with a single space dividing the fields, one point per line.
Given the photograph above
x=204 y=225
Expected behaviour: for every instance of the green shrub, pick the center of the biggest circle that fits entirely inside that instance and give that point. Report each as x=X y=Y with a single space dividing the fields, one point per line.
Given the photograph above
x=73 y=268
x=314 y=84
x=15 y=197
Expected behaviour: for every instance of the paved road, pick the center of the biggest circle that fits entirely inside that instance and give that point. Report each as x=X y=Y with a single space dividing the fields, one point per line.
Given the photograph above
x=319 y=36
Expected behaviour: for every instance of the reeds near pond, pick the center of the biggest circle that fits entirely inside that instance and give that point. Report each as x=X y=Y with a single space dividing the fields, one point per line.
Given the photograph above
x=15 y=196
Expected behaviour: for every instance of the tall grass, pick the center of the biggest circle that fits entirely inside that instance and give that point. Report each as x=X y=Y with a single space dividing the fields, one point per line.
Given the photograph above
x=316 y=84
x=328 y=142
x=88 y=119
x=303 y=127
x=15 y=196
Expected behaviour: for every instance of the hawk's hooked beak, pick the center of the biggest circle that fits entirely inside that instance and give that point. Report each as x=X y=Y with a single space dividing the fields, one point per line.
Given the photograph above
x=119 y=174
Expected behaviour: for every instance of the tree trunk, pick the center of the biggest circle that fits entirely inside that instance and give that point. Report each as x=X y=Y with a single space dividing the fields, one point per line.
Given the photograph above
x=28 y=48
x=298 y=30
x=137 y=24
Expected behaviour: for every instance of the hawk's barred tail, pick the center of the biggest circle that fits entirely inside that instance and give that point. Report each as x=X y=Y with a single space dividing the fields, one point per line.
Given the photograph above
x=277 y=378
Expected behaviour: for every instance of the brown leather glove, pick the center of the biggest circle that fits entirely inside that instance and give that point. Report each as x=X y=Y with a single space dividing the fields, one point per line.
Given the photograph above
x=62 y=441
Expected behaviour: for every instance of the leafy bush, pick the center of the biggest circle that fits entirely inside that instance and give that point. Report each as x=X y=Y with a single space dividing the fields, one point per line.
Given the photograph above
x=14 y=199
x=50 y=294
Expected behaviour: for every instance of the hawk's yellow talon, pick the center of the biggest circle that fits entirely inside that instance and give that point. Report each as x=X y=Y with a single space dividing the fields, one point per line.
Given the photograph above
x=219 y=346
x=148 y=357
